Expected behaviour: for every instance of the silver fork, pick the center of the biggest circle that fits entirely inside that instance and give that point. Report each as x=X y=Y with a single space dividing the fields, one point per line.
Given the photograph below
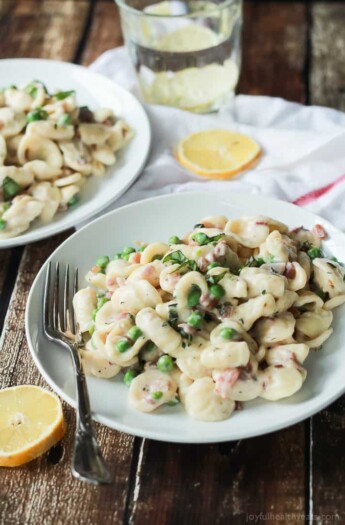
x=59 y=325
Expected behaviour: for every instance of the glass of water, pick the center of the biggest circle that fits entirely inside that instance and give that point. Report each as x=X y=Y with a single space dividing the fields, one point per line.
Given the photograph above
x=186 y=53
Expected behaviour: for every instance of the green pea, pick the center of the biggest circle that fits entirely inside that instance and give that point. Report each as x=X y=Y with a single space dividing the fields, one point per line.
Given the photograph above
x=174 y=240
x=125 y=256
x=217 y=291
x=165 y=363
x=123 y=345
x=213 y=265
x=195 y=320
x=102 y=261
x=10 y=188
x=173 y=402
x=65 y=119
x=128 y=249
x=129 y=376
x=117 y=256
x=200 y=238
x=314 y=252
x=2 y=224
x=37 y=114
x=134 y=333
x=194 y=295
x=228 y=333
x=157 y=395
x=92 y=329
x=73 y=201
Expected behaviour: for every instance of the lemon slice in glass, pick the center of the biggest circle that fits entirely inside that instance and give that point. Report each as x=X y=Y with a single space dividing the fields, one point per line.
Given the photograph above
x=195 y=89
x=187 y=38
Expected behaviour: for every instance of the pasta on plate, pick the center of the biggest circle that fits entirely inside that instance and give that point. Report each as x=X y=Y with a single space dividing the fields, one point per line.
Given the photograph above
x=48 y=147
x=224 y=315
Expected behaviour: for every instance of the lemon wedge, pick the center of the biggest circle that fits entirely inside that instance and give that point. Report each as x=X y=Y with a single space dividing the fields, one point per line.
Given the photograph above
x=31 y=421
x=217 y=153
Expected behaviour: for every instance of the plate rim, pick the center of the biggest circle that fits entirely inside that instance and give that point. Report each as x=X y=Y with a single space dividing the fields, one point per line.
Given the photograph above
x=31 y=236
x=154 y=435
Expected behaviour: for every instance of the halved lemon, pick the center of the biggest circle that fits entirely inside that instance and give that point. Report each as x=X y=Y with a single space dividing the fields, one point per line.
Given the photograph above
x=31 y=421
x=217 y=153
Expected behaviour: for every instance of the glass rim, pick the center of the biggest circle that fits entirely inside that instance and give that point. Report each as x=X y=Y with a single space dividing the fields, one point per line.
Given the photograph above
x=218 y=7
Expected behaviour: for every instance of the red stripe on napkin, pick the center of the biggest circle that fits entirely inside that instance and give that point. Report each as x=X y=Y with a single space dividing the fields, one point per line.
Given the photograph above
x=311 y=196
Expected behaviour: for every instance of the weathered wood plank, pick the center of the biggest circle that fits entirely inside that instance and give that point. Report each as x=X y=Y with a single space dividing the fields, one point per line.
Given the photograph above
x=221 y=484
x=327 y=85
x=44 y=490
x=105 y=31
x=45 y=29
x=327 y=80
x=274 y=49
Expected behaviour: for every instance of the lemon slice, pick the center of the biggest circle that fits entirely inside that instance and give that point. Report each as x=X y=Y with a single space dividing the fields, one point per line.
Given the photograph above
x=188 y=38
x=31 y=421
x=217 y=153
x=161 y=8
x=195 y=89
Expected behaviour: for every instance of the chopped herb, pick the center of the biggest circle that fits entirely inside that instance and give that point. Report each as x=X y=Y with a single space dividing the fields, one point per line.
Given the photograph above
x=306 y=245
x=198 y=226
x=10 y=188
x=178 y=257
x=321 y=294
x=2 y=224
x=263 y=292
x=61 y=95
x=214 y=279
x=186 y=336
x=173 y=318
x=65 y=119
x=37 y=114
x=271 y=259
x=157 y=257
x=255 y=262
x=174 y=240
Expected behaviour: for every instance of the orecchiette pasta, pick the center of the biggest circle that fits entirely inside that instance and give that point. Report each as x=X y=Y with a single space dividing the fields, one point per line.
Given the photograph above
x=48 y=145
x=223 y=315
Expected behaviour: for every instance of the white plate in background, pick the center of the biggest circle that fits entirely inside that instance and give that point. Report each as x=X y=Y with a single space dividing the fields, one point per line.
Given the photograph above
x=156 y=220
x=95 y=91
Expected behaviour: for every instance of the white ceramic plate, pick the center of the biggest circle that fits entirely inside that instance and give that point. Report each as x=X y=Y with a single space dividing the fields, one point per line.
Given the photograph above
x=95 y=91
x=157 y=219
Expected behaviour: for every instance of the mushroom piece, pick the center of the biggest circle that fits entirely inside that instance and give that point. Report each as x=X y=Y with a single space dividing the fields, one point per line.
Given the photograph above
x=329 y=276
x=11 y=123
x=34 y=147
x=50 y=130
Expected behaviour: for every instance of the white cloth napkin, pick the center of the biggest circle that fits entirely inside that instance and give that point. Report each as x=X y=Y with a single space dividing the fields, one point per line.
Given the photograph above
x=304 y=148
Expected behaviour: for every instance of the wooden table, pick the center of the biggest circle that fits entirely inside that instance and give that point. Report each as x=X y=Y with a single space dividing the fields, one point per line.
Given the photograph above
x=292 y=49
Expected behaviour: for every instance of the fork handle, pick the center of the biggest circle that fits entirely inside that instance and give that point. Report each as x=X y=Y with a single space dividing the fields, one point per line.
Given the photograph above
x=87 y=462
